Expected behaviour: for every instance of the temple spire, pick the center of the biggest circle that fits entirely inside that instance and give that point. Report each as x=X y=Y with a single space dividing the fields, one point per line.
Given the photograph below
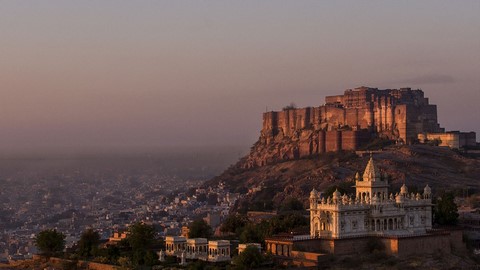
x=371 y=171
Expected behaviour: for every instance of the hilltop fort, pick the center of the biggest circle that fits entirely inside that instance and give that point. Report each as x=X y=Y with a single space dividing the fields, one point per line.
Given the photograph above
x=350 y=121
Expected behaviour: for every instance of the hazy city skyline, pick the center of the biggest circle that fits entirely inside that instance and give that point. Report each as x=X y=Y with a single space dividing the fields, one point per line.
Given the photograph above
x=135 y=75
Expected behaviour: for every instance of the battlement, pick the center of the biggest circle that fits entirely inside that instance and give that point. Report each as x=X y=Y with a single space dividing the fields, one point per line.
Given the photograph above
x=399 y=114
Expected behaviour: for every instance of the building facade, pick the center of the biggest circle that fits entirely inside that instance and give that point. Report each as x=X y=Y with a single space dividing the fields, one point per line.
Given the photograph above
x=373 y=211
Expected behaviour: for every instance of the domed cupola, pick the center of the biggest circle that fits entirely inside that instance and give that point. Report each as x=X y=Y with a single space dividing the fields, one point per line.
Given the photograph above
x=336 y=196
x=313 y=194
x=427 y=192
x=403 y=190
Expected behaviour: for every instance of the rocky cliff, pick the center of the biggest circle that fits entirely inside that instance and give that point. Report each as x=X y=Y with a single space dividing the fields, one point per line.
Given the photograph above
x=267 y=186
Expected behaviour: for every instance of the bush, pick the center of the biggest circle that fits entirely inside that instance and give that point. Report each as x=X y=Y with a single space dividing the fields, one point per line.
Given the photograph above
x=199 y=228
x=375 y=245
x=50 y=242
x=249 y=258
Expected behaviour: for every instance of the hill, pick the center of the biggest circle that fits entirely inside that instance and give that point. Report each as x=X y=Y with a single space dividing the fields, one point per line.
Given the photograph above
x=266 y=187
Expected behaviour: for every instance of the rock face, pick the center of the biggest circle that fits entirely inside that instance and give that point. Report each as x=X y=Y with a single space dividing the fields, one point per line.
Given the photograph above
x=415 y=165
x=345 y=122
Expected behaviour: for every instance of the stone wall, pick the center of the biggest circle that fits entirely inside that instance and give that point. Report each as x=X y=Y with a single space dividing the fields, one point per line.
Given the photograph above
x=344 y=122
x=452 y=139
x=399 y=246
x=80 y=264
x=382 y=111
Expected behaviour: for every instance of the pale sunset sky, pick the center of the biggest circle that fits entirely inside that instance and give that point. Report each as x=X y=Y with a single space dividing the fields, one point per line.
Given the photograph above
x=140 y=74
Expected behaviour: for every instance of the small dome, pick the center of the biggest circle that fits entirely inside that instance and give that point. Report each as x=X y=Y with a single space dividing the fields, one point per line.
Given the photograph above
x=404 y=189
x=336 y=194
x=357 y=176
x=313 y=193
x=427 y=190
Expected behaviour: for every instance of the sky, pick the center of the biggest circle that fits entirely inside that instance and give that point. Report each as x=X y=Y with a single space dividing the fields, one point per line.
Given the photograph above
x=78 y=75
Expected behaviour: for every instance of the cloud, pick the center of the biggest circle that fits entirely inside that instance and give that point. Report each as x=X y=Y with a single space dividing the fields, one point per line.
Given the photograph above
x=428 y=79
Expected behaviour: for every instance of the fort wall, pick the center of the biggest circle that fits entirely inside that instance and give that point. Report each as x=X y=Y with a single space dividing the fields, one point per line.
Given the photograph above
x=346 y=123
x=398 y=114
x=452 y=139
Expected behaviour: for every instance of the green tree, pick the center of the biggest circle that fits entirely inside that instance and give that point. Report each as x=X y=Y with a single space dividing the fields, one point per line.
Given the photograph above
x=292 y=204
x=199 y=228
x=50 y=242
x=141 y=238
x=285 y=223
x=249 y=258
x=446 y=211
x=251 y=234
x=88 y=243
x=234 y=224
x=290 y=106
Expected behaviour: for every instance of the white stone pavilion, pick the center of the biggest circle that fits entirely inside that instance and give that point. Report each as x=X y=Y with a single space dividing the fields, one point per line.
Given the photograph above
x=373 y=211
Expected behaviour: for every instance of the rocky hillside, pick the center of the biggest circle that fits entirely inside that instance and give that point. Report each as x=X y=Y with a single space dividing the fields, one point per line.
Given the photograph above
x=417 y=165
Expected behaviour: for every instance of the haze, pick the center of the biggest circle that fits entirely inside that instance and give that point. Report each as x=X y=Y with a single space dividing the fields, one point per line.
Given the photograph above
x=136 y=75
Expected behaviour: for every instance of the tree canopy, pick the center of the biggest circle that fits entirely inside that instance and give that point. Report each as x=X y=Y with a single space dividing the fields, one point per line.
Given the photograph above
x=234 y=223
x=50 y=241
x=88 y=243
x=292 y=204
x=446 y=211
x=199 y=229
x=249 y=258
x=141 y=237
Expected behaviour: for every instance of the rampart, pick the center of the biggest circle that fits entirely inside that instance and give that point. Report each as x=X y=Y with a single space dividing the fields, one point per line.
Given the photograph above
x=395 y=113
x=344 y=123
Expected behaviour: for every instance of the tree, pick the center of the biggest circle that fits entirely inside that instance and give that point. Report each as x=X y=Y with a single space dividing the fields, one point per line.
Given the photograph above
x=446 y=211
x=199 y=228
x=141 y=237
x=251 y=234
x=88 y=243
x=249 y=258
x=292 y=204
x=234 y=224
x=290 y=106
x=50 y=242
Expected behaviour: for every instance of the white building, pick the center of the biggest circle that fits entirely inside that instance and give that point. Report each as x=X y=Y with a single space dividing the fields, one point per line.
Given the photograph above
x=197 y=248
x=175 y=245
x=219 y=251
x=373 y=211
